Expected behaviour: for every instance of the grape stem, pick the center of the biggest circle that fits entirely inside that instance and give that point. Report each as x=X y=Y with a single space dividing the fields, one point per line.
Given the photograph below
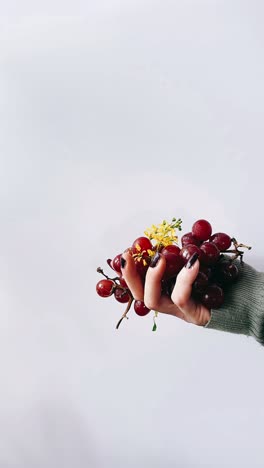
x=125 y=291
x=238 y=253
x=101 y=271
x=126 y=311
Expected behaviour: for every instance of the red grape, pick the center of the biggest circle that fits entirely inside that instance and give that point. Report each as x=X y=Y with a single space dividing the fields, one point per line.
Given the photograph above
x=171 y=249
x=105 y=288
x=141 y=268
x=221 y=240
x=226 y=272
x=174 y=264
x=141 y=244
x=121 y=295
x=213 y=297
x=202 y=229
x=140 y=248
x=115 y=264
x=140 y=308
x=189 y=238
x=200 y=283
x=167 y=286
x=206 y=270
x=188 y=250
x=210 y=253
x=215 y=274
x=109 y=261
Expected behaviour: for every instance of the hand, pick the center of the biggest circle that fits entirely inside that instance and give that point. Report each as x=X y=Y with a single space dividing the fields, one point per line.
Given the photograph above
x=180 y=304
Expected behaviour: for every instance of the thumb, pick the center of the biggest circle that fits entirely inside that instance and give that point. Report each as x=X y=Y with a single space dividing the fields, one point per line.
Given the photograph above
x=181 y=294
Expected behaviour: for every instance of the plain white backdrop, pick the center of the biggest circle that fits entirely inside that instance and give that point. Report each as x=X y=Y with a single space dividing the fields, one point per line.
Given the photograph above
x=113 y=116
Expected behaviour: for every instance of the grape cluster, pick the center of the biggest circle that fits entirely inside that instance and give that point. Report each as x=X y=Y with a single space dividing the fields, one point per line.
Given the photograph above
x=117 y=286
x=217 y=269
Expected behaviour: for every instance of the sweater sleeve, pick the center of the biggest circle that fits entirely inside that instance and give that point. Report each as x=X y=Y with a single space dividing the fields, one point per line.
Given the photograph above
x=243 y=308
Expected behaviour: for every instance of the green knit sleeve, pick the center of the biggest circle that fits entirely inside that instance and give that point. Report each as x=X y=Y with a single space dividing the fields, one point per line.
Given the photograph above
x=243 y=308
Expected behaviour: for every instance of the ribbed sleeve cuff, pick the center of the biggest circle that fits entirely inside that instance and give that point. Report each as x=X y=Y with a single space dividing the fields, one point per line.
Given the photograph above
x=243 y=308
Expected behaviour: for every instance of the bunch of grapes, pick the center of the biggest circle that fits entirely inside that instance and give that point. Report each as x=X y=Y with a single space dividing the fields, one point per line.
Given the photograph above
x=216 y=273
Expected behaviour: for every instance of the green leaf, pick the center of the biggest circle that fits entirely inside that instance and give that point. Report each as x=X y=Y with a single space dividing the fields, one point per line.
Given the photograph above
x=154 y=327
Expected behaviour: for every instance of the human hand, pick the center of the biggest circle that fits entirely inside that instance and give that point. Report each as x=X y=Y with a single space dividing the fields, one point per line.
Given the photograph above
x=180 y=304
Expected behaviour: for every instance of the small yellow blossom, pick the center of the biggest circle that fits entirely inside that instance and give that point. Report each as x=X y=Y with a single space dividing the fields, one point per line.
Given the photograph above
x=151 y=253
x=165 y=233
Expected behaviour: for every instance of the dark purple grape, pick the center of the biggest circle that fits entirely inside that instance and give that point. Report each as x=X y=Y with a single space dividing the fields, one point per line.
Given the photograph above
x=200 y=283
x=212 y=297
x=167 y=286
x=202 y=229
x=121 y=295
x=210 y=253
x=189 y=238
x=226 y=272
x=188 y=250
x=171 y=249
x=221 y=240
x=174 y=264
x=207 y=270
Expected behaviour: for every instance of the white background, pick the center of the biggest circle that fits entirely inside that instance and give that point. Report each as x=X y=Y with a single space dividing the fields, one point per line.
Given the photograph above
x=113 y=116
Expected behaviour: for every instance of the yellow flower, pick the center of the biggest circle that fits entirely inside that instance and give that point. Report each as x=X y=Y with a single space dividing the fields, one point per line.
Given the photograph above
x=165 y=233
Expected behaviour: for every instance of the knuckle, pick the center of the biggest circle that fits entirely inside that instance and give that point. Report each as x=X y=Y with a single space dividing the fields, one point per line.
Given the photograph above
x=150 y=304
x=138 y=298
x=179 y=300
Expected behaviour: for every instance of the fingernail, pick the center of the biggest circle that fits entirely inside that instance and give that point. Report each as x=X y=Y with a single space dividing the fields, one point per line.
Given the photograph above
x=123 y=262
x=154 y=260
x=192 y=260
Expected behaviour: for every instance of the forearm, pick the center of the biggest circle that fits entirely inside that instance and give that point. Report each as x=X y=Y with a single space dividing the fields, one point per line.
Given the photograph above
x=243 y=308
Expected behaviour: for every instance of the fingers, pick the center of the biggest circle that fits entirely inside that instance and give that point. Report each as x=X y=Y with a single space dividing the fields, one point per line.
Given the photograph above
x=153 y=282
x=181 y=294
x=180 y=304
x=150 y=293
x=131 y=276
x=153 y=298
